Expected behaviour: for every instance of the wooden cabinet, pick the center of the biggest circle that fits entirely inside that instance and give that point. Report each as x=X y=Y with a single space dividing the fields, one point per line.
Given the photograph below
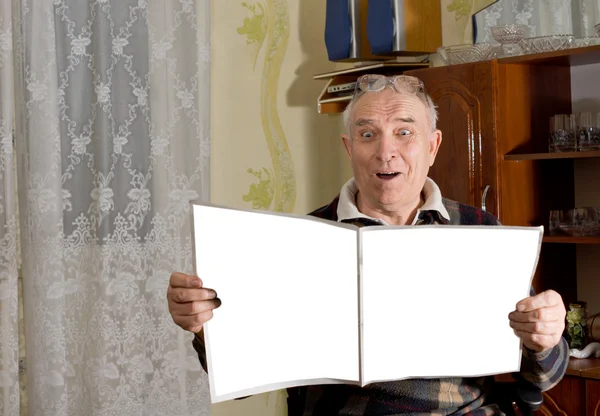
x=573 y=396
x=491 y=109
x=494 y=118
x=567 y=398
x=592 y=397
x=578 y=393
x=465 y=168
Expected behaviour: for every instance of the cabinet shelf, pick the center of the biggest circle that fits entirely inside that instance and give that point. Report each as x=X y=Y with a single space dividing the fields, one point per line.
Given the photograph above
x=379 y=67
x=331 y=103
x=584 y=367
x=568 y=239
x=550 y=156
x=564 y=57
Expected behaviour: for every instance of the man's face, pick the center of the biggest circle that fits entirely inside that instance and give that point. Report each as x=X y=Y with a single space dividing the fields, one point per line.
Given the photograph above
x=391 y=147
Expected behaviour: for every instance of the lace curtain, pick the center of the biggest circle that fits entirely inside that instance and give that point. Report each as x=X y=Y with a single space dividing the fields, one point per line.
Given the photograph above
x=112 y=141
x=9 y=334
x=543 y=17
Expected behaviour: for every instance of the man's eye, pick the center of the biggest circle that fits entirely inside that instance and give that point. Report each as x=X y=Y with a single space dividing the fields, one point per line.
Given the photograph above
x=404 y=132
x=367 y=135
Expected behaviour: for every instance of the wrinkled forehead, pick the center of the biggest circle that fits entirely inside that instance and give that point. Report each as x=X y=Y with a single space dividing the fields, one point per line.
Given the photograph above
x=388 y=103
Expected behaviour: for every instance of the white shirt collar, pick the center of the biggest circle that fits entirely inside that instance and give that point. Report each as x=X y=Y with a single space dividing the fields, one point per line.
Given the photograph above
x=347 y=208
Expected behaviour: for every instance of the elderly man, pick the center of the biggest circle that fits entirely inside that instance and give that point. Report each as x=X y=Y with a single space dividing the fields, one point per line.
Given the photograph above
x=391 y=141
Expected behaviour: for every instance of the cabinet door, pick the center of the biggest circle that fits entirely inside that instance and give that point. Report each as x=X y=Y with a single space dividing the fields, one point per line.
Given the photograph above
x=466 y=163
x=567 y=398
x=592 y=393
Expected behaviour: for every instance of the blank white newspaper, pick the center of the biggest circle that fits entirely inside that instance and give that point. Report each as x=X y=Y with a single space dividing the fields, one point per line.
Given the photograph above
x=307 y=301
x=436 y=299
x=289 y=289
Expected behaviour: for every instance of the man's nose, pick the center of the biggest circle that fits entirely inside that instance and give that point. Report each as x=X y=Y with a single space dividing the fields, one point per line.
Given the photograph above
x=387 y=149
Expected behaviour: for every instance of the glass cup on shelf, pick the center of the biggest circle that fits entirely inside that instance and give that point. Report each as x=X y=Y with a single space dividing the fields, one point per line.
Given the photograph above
x=592 y=225
x=580 y=222
x=563 y=129
x=586 y=219
x=461 y=54
x=509 y=37
x=588 y=132
x=554 y=222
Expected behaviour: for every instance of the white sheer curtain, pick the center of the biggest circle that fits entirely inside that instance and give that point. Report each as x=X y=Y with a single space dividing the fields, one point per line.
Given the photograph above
x=9 y=335
x=112 y=129
x=543 y=17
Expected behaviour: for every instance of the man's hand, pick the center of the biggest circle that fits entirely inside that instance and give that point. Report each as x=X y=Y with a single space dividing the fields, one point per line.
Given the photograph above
x=539 y=320
x=190 y=304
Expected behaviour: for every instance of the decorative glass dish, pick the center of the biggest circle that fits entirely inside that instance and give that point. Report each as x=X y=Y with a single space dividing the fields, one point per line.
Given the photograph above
x=577 y=222
x=462 y=54
x=586 y=41
x=548 y=43
x=497 y=51
x=509 y=37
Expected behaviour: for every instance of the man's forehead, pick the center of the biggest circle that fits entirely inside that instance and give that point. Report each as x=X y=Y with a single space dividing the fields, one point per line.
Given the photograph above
x=388 y=104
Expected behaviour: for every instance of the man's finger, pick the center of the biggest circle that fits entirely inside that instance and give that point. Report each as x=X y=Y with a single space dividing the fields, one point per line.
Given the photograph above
x=541 y=300
x=180 y=295
x=194 y=308
x=184 y=280
x=193 y=323
x=543 y=314
x=542 y=328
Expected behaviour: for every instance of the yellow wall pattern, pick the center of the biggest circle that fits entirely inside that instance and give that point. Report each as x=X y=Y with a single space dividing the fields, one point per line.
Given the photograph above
x=270 y=147
x=276 y=186
x=456 y=20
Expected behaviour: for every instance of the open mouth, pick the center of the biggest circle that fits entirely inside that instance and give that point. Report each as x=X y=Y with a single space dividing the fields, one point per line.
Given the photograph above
x=387 y=175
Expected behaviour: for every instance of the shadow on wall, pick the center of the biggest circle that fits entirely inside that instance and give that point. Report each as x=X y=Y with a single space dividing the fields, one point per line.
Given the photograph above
x=586 y=104
x=326 y=162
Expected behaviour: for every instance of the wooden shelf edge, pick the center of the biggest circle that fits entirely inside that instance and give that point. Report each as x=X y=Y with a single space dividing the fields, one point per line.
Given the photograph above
x=551 y=156
x=568 y=239
x=335 y=107
x=564 y=57
x=363 y=69
x=584 y=367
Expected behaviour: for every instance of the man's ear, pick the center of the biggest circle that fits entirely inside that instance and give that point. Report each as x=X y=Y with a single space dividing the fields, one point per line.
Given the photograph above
x=435 y=140
x=347 y=144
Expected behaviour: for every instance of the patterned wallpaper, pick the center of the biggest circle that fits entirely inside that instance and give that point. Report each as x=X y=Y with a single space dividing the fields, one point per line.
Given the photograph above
x=456 y=20
x=268 y=26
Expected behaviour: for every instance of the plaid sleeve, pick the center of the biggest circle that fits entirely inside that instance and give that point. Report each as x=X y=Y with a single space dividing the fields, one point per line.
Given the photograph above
x=545 y=369
x=199 y=346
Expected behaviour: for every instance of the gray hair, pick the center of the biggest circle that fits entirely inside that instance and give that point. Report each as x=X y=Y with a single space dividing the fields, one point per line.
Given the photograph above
x=422 y=96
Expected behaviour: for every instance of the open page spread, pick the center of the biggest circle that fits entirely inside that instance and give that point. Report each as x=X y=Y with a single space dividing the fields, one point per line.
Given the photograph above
x=436 y=299
x=289 y=289
x=308 y=301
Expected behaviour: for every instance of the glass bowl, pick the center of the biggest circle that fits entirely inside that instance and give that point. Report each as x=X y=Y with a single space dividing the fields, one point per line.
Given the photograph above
x=548 y=43
x=509 y=33
x=579 y=222
x=586 y=41
x=462 y=54
x=509 y=36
